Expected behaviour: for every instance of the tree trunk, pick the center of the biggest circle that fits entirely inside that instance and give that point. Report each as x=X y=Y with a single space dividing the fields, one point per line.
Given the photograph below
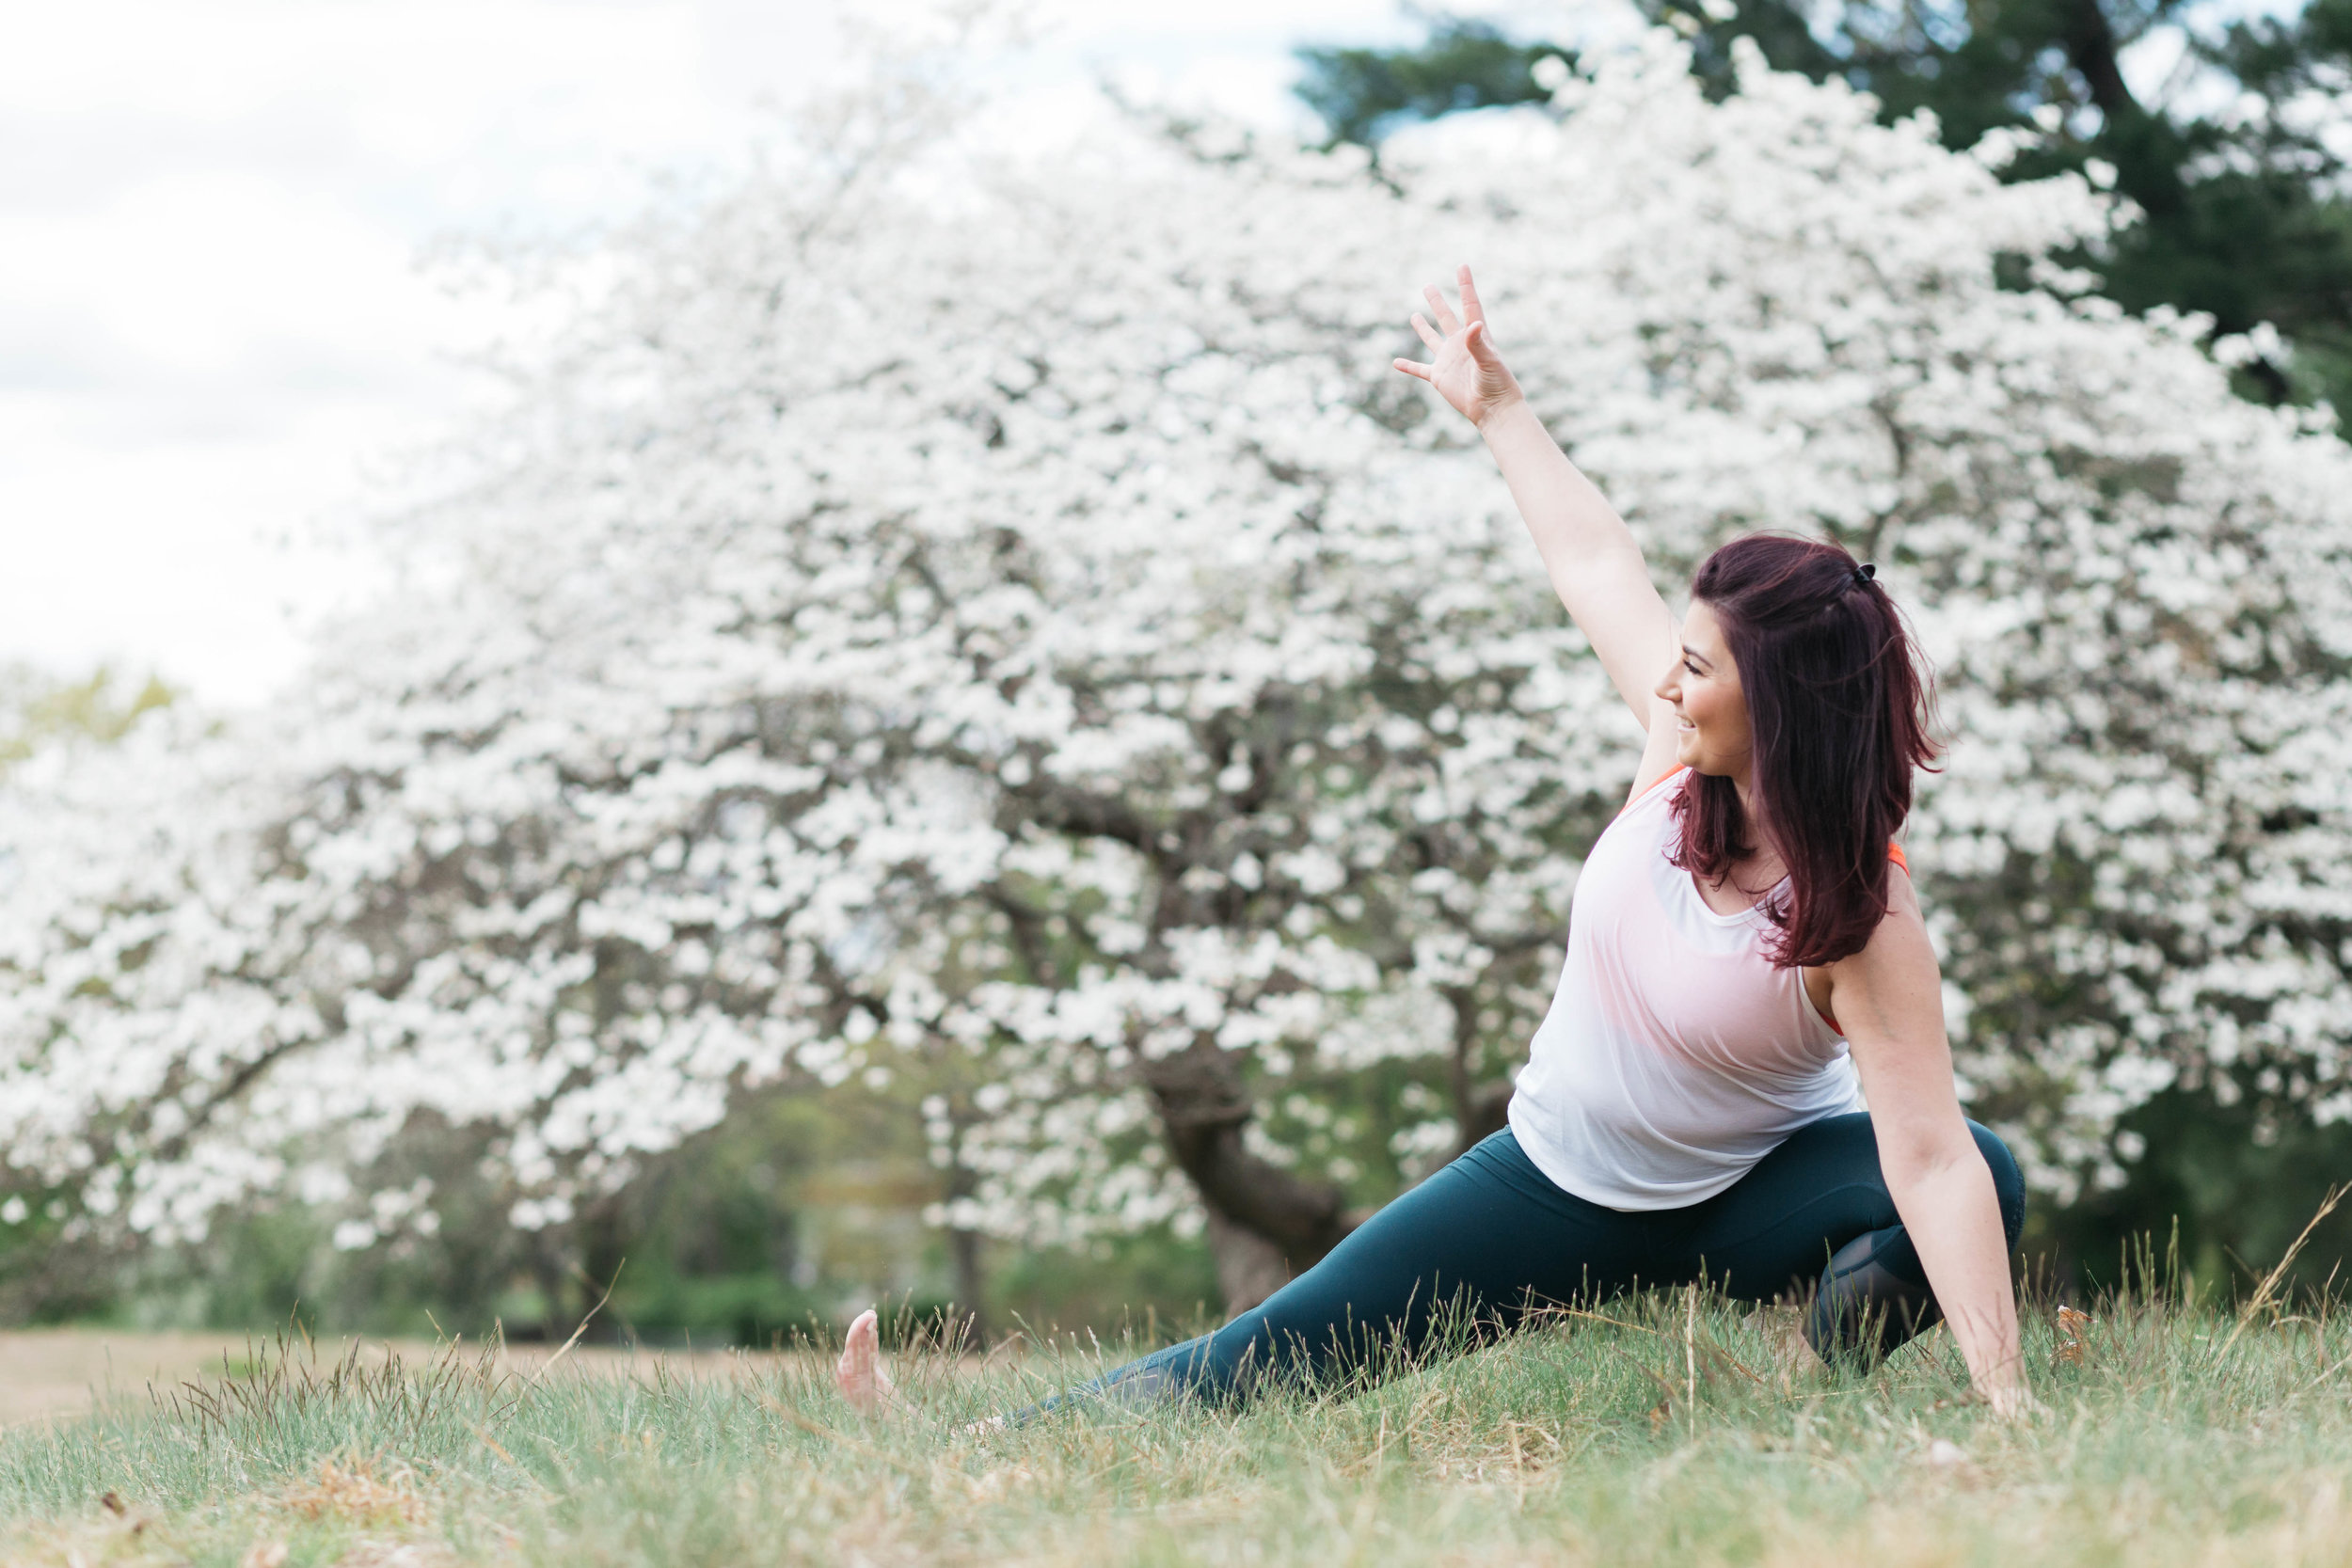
x=603 y=1258
x=549 y=1250
x=1265 y=1225
x=2088 y=40
x=1481 y=1113
x=1479 y=1109
x=964 y=1254
x=1249 y=1268
x=968 y=1325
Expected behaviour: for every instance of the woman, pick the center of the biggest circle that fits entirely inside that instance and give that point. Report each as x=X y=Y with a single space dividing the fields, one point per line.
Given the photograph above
x=1744 y=949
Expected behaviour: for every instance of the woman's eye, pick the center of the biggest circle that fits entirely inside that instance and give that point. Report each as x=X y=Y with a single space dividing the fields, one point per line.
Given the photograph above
x=1691 y=667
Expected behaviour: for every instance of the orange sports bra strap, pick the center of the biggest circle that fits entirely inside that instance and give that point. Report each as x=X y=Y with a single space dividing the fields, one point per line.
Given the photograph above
x=1671 y=775
x=1894 y=851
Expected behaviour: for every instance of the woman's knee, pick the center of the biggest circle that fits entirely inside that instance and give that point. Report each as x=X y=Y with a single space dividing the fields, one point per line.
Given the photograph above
x=2008 y=1183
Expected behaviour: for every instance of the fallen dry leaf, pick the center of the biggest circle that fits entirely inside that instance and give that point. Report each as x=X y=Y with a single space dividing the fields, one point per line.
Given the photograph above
x=2073 y=1346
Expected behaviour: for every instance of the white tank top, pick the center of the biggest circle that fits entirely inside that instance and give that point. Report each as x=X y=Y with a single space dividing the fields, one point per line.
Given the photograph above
x=1675 y=1055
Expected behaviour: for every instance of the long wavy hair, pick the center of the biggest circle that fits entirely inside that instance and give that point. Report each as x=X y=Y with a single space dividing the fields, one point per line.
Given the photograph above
x=1840 y=713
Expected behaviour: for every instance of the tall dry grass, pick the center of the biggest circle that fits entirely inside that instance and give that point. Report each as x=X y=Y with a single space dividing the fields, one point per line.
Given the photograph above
x=1656 y=1430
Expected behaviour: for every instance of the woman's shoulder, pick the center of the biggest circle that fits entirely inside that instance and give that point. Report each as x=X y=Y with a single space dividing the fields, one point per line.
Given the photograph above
x=1648 y=816
x=1657 y=793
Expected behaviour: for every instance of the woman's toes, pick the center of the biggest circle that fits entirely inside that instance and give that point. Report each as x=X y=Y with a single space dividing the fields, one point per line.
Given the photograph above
x=858 y=1370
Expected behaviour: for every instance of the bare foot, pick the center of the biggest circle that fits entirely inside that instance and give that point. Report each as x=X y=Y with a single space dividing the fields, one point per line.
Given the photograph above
x=860 y=1373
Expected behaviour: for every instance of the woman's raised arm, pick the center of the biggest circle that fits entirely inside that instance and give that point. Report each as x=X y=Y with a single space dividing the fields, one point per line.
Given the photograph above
x=1591 y=556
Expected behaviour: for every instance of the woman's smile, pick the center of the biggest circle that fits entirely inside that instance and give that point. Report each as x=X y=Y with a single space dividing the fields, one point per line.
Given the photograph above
x=1702 y=688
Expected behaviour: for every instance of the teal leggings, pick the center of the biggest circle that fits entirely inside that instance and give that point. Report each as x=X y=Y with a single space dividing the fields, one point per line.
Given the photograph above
x=1489 y=1239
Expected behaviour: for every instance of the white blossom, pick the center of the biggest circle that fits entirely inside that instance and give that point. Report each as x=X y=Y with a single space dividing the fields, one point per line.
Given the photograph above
x=1002 y=620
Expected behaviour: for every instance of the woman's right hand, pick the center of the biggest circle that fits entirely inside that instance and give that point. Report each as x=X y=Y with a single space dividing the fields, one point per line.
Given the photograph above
x=1465 y=367
x=2014 y=1401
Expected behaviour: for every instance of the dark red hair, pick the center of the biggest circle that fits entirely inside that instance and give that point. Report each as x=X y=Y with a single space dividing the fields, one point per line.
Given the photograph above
x=1840 y=714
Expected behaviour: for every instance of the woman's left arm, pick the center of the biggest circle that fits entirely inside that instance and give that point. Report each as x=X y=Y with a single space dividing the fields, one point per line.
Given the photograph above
x=1889 y=997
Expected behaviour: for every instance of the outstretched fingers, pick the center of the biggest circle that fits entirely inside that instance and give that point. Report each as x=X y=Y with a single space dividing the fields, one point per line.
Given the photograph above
x=1468 y=329
x=1442 y=311
x=1472 y=310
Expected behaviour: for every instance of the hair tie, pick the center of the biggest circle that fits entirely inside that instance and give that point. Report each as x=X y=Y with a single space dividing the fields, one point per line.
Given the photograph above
x=1865 y=572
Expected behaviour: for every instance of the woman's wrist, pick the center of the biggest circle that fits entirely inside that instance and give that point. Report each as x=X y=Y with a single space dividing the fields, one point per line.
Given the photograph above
x=1502 y=412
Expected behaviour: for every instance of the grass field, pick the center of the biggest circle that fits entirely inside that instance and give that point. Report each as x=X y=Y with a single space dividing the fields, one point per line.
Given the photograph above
x=1657 y=1432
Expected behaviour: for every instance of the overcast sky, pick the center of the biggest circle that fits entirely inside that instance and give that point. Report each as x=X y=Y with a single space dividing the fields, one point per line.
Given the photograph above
x=213 y=324
x=214 y=329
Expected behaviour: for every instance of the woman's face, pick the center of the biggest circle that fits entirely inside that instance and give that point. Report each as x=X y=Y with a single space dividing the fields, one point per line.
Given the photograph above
x=1711 y=711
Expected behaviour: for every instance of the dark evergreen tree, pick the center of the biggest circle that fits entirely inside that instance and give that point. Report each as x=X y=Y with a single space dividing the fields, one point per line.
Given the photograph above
x=1362 y=93
x=2243 y=213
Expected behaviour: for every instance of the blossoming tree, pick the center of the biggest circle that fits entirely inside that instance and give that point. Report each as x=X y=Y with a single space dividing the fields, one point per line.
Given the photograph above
x=1001 y=622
